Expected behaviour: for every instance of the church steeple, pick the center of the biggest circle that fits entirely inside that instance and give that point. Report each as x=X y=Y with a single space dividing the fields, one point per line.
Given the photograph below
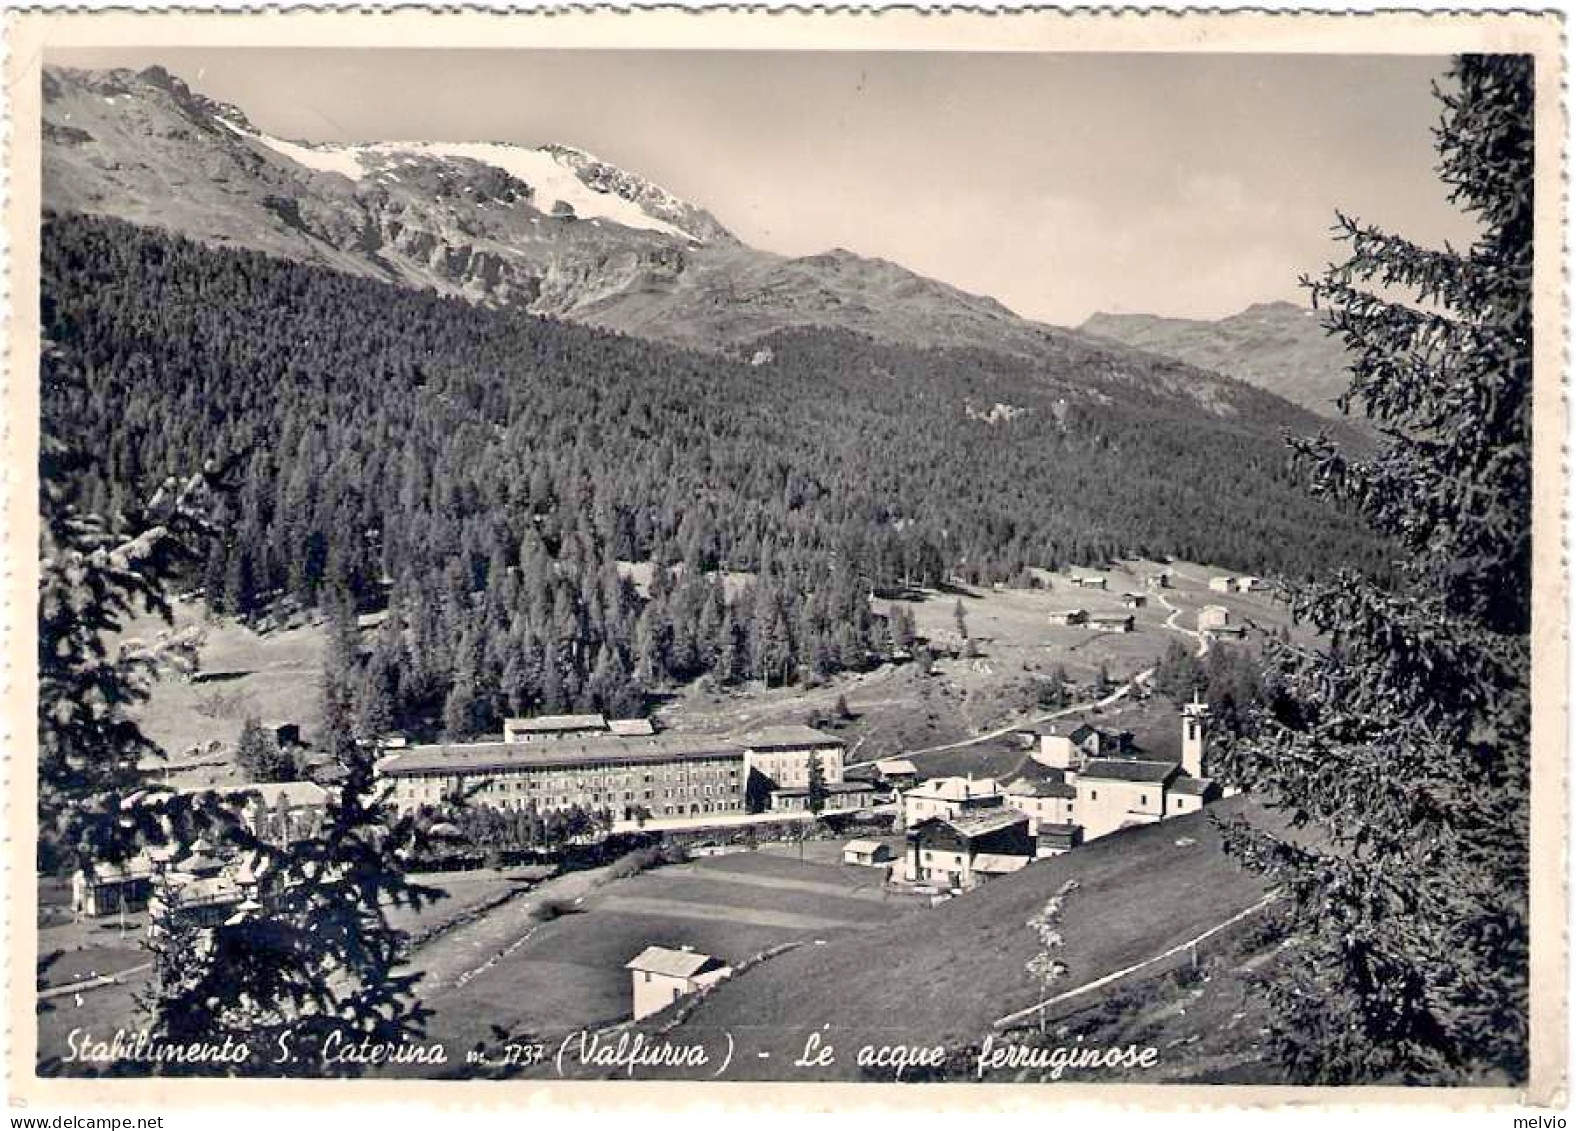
x=1195 y=719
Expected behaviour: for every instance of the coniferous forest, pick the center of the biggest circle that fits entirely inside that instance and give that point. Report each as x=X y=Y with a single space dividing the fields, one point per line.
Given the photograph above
x=482 y=473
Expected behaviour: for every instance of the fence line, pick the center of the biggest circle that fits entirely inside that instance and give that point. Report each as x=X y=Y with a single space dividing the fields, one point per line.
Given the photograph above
x=1118 y=975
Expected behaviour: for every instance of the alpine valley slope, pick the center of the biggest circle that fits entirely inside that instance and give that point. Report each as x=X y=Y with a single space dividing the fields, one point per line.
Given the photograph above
x=1278 y=346
x=551 y=230
x=943 y=976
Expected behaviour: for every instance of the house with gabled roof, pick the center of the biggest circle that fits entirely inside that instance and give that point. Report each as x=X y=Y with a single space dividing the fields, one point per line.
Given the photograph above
x=1048 y=798
x=899 y=773
x=949 y=797
x=964 y=851
x=660 y=975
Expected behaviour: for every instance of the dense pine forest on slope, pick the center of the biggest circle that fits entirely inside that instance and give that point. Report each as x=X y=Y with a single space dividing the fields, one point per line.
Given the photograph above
x=495 y=465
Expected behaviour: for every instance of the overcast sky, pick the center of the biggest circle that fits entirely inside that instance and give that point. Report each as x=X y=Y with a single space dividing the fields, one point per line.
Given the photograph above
x=1187 y=185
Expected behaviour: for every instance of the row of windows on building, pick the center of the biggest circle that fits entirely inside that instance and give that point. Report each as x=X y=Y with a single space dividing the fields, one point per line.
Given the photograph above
x=628 y=809
x=512 y=790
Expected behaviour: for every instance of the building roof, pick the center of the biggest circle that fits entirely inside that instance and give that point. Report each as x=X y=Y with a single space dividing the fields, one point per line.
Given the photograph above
x=197 y=893
x=198 y=863
x=890 y=766
x=979 y=824
x=629 y=727
x=1130 y=769
x=1049 y=829
x=484 y=757
x=546 y=724
x=999 y=863
x=957 y=789
x=1041 y=787
x=863 y=846
x=673 y=963
x=791 y=737
x=139 y=867
x=1192 y=786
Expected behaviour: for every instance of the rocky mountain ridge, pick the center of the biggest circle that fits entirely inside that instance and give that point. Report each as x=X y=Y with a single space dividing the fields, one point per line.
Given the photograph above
x=552 y=230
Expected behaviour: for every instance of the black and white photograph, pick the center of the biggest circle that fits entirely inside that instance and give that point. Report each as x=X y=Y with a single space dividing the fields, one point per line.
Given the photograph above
x=848 y=565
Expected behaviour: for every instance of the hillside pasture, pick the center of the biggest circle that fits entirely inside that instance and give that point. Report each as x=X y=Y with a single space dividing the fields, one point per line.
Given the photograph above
x=272 y=676
x=946 y=977
x=568 y=973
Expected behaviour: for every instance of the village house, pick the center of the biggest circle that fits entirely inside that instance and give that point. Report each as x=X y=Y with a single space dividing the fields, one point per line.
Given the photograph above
x=1046 y=800
x=1134 y=600
x=1110 y=622
x=113 y=888
x=1067 y=618
x=896 y=773
x=1089 y=581
x=1053 y=840
x=949 y=797
x=1213 y=616
x=661 y=975
x=1059 y=751
x=1250 y=584
x=1161 y=580
x=551 y=728
x=963 y=851
x=867 y=853
x=1222 y=584
x=664 y=775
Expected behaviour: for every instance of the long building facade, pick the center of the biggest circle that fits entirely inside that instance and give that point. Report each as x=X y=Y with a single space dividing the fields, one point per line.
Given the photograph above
x=632 y=775
x=661 y=775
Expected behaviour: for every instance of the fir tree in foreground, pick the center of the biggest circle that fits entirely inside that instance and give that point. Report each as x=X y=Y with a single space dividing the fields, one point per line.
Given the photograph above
x=316 y=958
x=1400 y=751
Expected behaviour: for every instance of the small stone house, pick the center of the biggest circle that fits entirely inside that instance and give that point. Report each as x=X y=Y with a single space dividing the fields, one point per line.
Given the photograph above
x=661 y=975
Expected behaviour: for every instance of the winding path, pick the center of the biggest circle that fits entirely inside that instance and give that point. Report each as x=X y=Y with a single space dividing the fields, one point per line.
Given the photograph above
x=1000 y=732
x=1116 y=696
x=1203 y=638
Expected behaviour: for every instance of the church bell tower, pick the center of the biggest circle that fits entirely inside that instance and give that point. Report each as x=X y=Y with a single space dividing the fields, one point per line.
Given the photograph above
x=1195 y=725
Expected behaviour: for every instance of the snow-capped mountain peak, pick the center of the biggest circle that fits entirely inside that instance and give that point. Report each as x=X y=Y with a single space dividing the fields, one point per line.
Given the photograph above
x=561 y=180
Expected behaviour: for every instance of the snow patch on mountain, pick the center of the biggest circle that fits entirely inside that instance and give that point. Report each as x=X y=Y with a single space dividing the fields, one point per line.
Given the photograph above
x=556 y=184
x=344 y=160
